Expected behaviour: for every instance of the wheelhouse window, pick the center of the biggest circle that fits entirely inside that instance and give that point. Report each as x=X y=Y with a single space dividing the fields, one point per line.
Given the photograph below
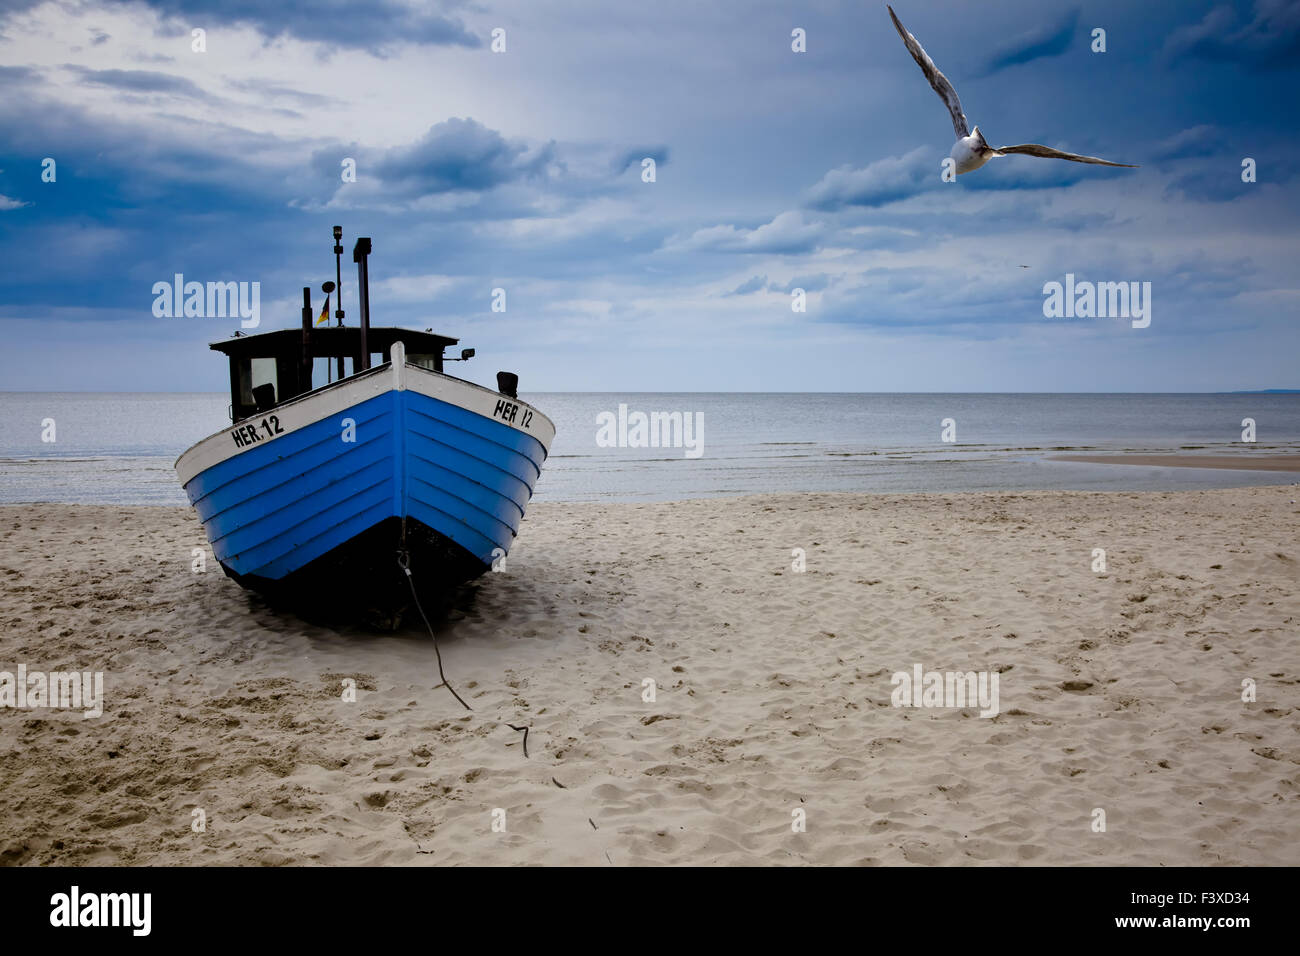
x=272 y=368
x=430 y=360
x=258 y=386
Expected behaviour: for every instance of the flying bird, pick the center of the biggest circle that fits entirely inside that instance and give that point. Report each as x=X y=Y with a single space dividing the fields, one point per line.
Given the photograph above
x=971 y=151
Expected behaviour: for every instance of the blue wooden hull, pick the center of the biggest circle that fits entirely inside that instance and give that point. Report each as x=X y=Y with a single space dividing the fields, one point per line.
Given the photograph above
x=448 y=483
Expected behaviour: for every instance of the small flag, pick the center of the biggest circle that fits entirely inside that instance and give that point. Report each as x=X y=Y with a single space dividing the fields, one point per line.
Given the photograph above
x=325 y=311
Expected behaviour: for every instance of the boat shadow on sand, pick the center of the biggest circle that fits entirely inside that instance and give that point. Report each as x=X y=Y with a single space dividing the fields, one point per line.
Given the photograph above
x=345 y=615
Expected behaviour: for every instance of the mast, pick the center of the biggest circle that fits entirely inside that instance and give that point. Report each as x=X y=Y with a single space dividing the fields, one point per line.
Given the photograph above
x=338 y=284
x=304 y=366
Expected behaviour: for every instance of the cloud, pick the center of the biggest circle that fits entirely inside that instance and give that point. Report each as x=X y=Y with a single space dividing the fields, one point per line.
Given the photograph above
x=1202 y=140
x=8 y=7
x=1035 y=44
x=459 y=154
x=456 y=155
x=272 y=90
x=634 y=156
x=1270 y=40
x=141 y=81
x=750 y=285
x=17 y=74
x=372 y=25
x=1211 y=184
x=6 y=203
x=809 y=283
x=786 y=234
x=540 y=193
x=884 y=181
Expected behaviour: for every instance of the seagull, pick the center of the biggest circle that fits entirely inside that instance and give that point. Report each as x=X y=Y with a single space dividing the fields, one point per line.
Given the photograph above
x=971 y=151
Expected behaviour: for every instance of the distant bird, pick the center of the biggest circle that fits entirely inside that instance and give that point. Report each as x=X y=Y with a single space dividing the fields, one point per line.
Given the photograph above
x=971 y=151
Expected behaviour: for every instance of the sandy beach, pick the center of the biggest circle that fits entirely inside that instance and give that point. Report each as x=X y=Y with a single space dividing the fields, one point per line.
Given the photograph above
x=1119 y=691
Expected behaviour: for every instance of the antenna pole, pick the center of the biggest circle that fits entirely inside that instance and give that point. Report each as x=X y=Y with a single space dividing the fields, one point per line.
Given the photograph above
x=338 y=285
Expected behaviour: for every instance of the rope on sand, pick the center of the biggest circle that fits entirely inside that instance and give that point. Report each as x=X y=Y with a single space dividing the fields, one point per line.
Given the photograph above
x=404 y=562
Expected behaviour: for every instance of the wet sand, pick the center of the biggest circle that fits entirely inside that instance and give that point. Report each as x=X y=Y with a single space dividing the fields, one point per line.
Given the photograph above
x=1233 y=462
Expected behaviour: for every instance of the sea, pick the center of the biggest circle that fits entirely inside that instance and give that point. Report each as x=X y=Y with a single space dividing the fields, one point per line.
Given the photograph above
x=119 y=448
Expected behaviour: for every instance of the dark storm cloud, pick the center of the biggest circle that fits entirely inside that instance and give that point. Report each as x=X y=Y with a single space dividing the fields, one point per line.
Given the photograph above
x=372 y=25
x=1042 y=41
x=1268 y=39
x=141 y=81
x=884 y=181
x=454 y=155
x=17 y=74
x=824 y=167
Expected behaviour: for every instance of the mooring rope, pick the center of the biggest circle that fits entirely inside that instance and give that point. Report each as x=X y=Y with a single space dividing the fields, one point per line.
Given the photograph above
x=404 y=562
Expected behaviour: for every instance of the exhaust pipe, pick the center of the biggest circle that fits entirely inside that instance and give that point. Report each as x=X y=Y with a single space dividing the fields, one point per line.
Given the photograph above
x=360 y=252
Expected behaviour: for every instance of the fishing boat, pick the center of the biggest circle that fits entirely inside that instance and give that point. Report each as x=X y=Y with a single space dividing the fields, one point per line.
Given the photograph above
x=329 y=494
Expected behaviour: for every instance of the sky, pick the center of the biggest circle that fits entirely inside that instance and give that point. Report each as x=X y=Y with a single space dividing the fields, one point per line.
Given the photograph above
x=523 y=169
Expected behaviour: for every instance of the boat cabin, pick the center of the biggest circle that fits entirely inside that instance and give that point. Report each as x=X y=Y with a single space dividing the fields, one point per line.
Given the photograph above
x=270 y=368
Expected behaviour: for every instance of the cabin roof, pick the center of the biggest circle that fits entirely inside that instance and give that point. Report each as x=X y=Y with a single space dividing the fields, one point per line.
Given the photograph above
x=331 y=340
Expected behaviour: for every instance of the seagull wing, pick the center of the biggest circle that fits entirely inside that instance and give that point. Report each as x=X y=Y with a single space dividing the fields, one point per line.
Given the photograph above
x=1033 y=149
x=938 y=81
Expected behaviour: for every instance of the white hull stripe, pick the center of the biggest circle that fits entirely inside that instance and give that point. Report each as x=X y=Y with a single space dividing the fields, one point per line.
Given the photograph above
x=322 y=404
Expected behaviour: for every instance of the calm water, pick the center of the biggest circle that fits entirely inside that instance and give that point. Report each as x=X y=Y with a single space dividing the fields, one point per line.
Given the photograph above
x=119 y=448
